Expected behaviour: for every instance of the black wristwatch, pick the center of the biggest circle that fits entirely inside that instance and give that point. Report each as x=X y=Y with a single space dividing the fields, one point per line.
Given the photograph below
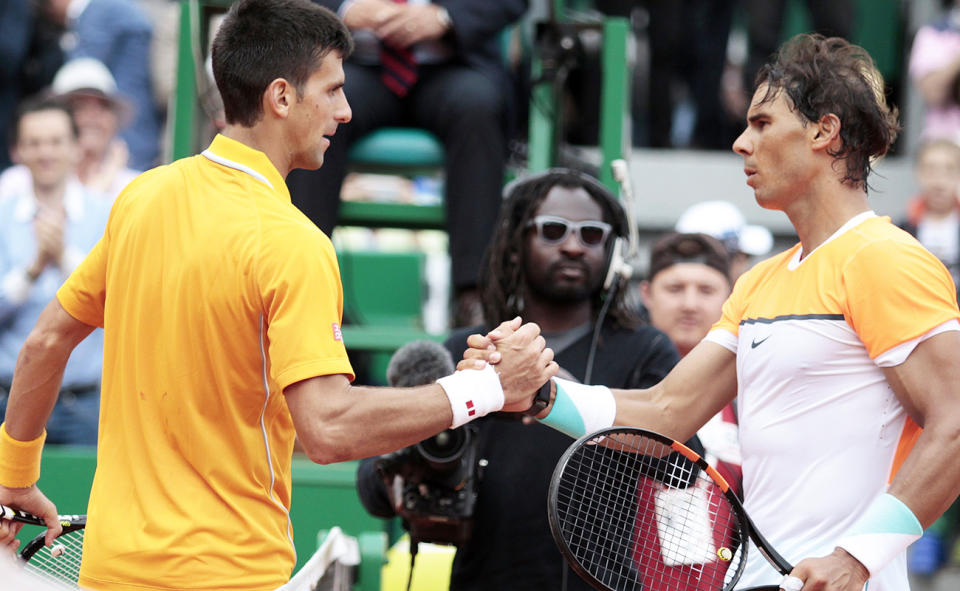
x=540 y=400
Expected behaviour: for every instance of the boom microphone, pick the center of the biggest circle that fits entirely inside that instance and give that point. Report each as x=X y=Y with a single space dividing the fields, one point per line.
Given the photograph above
x=622 y=175
x=419 y=363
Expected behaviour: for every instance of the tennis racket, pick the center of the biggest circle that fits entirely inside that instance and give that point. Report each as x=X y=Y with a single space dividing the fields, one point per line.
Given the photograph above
x=633 y=510
x=58 y=563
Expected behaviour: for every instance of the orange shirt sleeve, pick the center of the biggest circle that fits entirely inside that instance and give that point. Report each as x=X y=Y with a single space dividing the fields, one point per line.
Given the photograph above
x=84 y=293
x=299 y=282
x=896 y=291
x=733 y=308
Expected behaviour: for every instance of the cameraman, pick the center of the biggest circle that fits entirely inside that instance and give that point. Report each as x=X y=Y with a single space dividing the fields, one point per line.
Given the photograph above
x=547 y=262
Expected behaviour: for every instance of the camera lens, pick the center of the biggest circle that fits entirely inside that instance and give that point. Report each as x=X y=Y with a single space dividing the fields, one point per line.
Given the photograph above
x=443 y=450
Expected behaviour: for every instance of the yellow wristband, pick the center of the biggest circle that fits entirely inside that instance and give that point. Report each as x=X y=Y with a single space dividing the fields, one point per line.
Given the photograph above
x=19 y=460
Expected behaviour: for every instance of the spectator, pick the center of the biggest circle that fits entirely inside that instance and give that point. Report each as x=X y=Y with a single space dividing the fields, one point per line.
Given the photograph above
x=29 y=60
x=688 y=281
x=453 y=84
x=99 y=111
x=117 y=33
x=45 y=232
x=547 y=260
x=934 y=69
x=723 y=221
x=933 y=216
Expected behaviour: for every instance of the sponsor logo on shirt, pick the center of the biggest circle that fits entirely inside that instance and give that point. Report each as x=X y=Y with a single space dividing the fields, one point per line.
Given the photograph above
x=337 y=334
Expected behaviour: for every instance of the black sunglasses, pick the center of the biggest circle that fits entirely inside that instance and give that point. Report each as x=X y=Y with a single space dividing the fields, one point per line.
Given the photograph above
x=554 y=230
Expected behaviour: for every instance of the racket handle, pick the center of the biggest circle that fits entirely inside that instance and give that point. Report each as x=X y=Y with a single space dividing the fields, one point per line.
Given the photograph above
x=18 y=515
x=763 y=588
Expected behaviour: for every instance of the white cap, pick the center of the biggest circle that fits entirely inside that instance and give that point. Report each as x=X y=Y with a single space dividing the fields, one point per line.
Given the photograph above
x=85 y=74
x=723 y=221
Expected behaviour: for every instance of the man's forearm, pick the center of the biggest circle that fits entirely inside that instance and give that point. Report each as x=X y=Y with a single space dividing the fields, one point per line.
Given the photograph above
x=929 y=480
x=39 y=371
x=36 y=384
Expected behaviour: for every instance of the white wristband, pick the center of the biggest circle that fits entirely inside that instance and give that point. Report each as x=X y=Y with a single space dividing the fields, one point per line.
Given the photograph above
x=472 y=394
x=578 y=409
x=884 y=531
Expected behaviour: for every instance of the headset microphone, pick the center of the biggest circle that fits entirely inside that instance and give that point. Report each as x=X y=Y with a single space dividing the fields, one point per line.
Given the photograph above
x=620 y=268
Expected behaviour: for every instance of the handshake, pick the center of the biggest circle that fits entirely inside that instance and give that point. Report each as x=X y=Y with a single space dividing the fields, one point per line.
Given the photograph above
x=516 y=354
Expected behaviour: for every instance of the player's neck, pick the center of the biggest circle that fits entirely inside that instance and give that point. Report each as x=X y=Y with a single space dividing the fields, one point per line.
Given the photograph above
x=823 y=212
x=262 y=138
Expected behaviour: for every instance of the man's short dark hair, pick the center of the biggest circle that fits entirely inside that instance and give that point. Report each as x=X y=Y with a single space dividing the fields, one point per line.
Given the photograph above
x=262 y=40
x=37 y=104
x=677 y=248
x=502 y=275
x=830 y=75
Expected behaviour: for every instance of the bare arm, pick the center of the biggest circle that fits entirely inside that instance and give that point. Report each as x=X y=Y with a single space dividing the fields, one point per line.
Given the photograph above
x=336 y=421
x=36 y=384
x=696 y=389
x=928 y=385
x=699 y=386
x=39 y=370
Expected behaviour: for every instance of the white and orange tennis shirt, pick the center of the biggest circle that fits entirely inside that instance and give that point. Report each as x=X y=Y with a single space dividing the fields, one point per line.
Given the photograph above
x=821 y=431
x=215 y=294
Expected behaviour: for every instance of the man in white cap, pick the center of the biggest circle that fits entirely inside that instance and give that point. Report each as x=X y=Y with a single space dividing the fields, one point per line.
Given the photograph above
x=723 y=221
x=99 y=113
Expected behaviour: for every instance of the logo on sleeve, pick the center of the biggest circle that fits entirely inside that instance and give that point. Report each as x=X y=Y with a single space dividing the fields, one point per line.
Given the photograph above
x=337 y=334
x=471 y=410
x=755 y=343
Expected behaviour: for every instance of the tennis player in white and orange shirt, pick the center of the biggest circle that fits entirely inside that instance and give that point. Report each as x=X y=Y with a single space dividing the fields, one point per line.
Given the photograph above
x=839 y=350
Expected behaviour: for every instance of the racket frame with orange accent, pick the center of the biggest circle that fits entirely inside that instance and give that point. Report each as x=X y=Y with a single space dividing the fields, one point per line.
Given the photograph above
x=747 y=528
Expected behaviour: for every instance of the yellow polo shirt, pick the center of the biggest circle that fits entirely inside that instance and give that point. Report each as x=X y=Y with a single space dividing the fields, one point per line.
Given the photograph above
x=215 y=294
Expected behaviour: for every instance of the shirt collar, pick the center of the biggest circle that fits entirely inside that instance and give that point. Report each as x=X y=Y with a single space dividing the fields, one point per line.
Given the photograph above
x=26 y=206
x=231 y=153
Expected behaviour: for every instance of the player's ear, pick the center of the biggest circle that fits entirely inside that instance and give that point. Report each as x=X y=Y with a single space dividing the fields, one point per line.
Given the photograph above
x=826 y=132
x=278 y=97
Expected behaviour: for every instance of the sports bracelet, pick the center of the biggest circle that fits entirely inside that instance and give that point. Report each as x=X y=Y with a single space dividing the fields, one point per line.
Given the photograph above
x=579 y=409
x=19 y=460
x=882 y=532
x=472 y=393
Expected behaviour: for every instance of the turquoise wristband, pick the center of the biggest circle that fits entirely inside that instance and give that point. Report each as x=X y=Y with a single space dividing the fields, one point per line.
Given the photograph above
x=884 y=531
x=578 y=409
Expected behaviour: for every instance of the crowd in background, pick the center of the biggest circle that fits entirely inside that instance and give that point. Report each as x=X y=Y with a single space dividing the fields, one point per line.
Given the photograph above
x=85 y=87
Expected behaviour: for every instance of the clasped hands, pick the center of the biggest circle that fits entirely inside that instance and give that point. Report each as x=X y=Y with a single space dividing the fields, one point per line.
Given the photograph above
x=519 y=355
x=396 y=24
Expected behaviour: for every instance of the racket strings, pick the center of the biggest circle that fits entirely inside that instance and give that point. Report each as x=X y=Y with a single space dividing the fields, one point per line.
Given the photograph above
x=61 y=569
x=636 y=518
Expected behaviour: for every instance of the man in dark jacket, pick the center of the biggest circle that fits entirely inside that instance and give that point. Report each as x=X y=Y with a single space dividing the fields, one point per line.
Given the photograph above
x=547 y=262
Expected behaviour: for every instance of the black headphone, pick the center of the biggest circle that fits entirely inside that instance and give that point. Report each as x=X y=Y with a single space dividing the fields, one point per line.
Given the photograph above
x=616 y=269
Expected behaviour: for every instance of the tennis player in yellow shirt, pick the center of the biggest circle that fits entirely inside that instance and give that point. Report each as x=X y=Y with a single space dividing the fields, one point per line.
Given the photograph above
x=221 y=307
